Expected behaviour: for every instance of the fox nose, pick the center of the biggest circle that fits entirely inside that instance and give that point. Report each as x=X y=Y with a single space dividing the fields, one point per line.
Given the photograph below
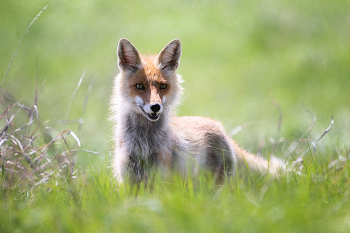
x=155 y=107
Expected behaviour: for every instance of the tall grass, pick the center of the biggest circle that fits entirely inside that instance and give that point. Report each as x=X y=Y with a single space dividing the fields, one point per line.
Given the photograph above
x=315 y=201
x=43 y=189
x=255 y=65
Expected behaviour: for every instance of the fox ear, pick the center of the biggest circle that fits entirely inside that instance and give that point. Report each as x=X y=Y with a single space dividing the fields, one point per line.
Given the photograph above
x=128 y=56
x=169 y=57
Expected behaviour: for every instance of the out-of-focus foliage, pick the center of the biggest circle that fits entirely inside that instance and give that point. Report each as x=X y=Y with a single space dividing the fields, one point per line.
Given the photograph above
x=238 y=57
x=254 y=65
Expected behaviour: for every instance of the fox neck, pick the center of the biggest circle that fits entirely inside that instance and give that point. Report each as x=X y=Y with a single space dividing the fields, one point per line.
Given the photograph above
x=144 y=138
x=141 y=124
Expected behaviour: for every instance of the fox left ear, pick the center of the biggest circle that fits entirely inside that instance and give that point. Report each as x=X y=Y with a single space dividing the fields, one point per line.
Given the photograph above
x=128 y=56
x=169 y=57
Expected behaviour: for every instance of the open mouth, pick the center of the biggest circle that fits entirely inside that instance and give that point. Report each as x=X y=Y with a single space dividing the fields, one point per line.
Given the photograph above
x=152 y=117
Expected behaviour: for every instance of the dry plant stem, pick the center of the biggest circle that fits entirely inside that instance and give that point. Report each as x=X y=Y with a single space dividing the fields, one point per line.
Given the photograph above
x=327 y=130
x=23 y=161
x=311 y=126
x=300 y=160
x=294 y=144
x=88 y=151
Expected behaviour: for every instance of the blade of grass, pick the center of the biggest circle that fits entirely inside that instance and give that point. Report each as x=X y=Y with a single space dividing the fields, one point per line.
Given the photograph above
x=20 y=42
x=71 y=100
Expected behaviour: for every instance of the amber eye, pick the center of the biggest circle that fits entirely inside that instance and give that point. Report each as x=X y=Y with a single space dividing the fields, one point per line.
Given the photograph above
x=163 y=86
x=139 y=86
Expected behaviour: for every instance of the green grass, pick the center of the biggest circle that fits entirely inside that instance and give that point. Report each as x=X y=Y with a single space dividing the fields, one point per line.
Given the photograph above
x=312 y=202
x=239 y=58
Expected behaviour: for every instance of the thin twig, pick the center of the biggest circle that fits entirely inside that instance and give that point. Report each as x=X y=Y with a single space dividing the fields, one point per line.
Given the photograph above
x=311 y=126
x=9 y=122
x=88 y=151
x=294 y=145
x=327 y=130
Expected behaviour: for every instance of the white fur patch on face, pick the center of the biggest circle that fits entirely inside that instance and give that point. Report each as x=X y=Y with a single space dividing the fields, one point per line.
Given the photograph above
x=147 y=108
x=138 y=100
x=161 y=108
x=164 y=98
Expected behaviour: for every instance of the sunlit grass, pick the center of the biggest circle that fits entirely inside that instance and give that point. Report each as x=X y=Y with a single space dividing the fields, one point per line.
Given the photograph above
x=240 y=60
x=316 y=201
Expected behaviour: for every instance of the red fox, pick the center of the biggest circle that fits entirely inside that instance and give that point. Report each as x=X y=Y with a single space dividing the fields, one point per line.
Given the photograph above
x=147 y=135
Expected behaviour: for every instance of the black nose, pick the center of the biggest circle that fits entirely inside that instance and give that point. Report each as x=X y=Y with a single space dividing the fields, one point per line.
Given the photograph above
x=155 y=107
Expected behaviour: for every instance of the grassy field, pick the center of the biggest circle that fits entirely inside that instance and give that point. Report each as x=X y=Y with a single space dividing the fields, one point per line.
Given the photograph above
x=257 y=66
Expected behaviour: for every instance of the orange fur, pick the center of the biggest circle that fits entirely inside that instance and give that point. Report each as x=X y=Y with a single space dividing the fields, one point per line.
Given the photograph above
x=148 y=137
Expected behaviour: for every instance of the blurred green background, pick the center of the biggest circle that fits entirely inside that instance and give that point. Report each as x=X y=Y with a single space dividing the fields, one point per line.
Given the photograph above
x=239 y=57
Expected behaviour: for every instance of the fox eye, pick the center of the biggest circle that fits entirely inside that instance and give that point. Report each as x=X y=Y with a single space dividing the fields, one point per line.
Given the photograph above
x=163 y=86
x=139 y=86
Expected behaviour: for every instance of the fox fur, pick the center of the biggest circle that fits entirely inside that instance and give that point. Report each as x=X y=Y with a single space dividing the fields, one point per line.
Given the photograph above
x=149 y=138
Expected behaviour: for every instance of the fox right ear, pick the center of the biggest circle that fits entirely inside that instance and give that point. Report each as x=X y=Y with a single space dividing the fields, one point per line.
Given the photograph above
x=128 y=56
x=169 y=57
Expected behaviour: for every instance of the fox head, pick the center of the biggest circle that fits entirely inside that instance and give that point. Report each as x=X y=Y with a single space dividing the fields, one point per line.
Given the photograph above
x=149 y=84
